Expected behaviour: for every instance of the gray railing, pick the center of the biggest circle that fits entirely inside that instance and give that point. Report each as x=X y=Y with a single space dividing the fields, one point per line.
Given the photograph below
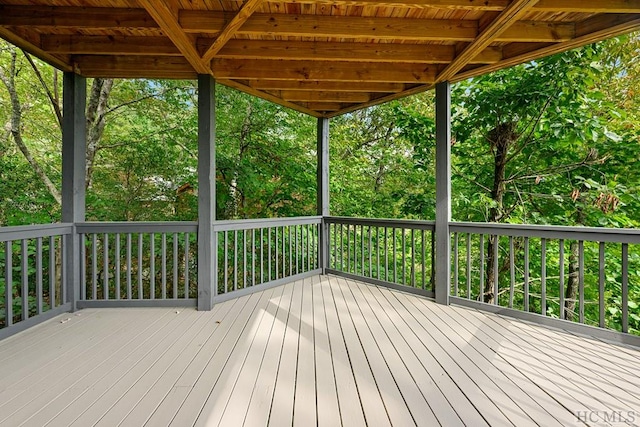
x=265 y=251
x=155 y=263
x=138 y=261
x=585 y=275
x=31 y=261
x=397 y=253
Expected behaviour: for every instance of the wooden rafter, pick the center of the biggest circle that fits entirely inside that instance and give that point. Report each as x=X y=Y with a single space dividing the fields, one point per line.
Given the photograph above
x=330 y=71
x=382 y=99
x=75 y=17
x=167 y=19
x=109 y=45
x=230 y=29
x=312 y=96
x=491 y=33
x=348 y=27
x=32 y=48
x=356 y=52
x=590 y=31
x=326 y=86
x=269 y=97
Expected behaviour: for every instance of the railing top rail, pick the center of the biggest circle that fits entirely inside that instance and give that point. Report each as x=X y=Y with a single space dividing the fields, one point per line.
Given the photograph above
x=138 y=227
x=34 y=231
x=248 y=224
x=377 y=222
x=613 y=235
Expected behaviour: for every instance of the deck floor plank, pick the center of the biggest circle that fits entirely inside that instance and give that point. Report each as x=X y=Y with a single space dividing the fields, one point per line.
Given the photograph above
x=259 y=402
x=433 y=396
x=196 y=406
x=470 y=331
x=351 y=412
x=40 y=390
x=324 y=351
x=375 y=411
x=326 y=392
x=281 y=410
x=304 y=410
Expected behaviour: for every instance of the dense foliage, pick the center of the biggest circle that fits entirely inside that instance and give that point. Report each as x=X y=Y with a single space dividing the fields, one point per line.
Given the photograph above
x=555 y=141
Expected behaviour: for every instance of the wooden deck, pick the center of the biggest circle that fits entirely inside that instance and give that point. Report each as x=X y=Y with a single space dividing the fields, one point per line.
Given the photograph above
x=325 y=351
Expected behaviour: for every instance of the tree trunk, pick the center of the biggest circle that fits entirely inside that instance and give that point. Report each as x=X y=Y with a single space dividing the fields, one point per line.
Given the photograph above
x=501 y=138
x=16 y=128
x=572 y=283
x=96 y=112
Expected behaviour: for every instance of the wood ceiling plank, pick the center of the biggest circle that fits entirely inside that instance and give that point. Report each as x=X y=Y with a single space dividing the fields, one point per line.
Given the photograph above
x=356 y=52
x=165 y=15
x=258 y=69
x=326 y=86
x=109 y=45
x=513 y=12
x=230 y=29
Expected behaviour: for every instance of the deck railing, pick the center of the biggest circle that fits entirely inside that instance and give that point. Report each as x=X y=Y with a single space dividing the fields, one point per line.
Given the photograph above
x=396 y=253
x=138 y=261
x=265 y=252
x=572 y=273
x=546 y=274
x=155 y=263
x=31 y=265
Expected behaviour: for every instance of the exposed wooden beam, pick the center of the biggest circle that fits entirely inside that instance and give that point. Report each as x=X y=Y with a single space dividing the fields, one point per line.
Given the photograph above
x=326 y=86
x=230 y=29
x=513 y=12
x=382 y=99
x=76 y=17
x=481 y=5
x=259 y=69
x=590 y=31
x=312 y=96
x=337 y=26
x=323 y=107
x=28 y=46
x=168 y=67
x=167 y=19
x=109 y=45
x=589 y=6
x=269 y=97
x=350 y=27
x=357 y=52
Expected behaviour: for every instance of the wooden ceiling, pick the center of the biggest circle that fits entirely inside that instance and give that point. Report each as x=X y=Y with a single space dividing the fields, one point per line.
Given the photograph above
x=320 y=57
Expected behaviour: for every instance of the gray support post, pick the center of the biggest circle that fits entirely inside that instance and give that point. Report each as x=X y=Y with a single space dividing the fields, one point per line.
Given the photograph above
x=323 y=191
x=443 y=192
x=73 y=177
x=207 y=238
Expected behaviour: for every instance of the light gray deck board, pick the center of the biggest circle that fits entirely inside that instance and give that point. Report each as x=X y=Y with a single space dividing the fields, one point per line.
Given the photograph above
x=323 y=350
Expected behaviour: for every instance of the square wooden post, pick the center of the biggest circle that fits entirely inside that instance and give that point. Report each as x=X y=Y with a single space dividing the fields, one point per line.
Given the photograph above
x=443 y=192
x=73 y=179
x=207 y=237
x=323 y=192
